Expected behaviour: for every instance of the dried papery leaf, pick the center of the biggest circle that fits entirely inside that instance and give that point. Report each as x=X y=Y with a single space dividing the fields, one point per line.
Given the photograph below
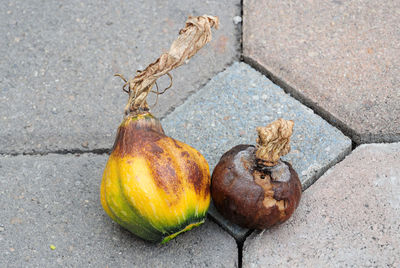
x=195 y=35
x=273 y=141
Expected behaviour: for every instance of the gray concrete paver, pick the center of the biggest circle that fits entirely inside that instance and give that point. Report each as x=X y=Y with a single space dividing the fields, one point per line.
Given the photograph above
x=57 y=64
x=340 y=57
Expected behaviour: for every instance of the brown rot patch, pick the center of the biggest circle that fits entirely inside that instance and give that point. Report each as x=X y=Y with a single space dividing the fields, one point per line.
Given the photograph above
x=155 y=149
x=207 y=191
x=196 y=176
x=131 y=139
x=176 y=144
x=184 y=154
x=166 y=178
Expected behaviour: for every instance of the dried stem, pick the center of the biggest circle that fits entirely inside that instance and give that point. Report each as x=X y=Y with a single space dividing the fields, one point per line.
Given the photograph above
x=195 y=35
x=273 y=141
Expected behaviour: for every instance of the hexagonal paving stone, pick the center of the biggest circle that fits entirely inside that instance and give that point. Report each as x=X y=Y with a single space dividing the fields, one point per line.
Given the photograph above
x=51 y=216
x=340 y=57
x=348 y=218
x=226 y=112
x=58 y=60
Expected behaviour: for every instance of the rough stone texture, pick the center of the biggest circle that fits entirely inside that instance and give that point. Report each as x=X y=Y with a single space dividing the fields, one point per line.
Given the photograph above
x=229 y=108
x=58 y=60
x=348 y=218
x=54 y=200
x=340 y=57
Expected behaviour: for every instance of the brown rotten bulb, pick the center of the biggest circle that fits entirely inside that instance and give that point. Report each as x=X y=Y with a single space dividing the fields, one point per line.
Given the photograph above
x=251 y=186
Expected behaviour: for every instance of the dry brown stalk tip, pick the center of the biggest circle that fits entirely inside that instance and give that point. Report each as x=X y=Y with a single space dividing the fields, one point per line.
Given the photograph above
x=273 y=141
x=192 y=38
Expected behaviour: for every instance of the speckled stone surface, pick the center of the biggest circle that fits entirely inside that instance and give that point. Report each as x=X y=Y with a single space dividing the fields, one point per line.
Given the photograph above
x=227 y=110
x=55 y=200
x=57 y=90
x=340 y=57
x=348 y=218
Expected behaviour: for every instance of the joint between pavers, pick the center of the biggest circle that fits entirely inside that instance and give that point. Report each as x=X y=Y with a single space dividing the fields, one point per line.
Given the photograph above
x=239 y=243
x=225 y=229
x=99 y=151
x=334 y=121
x=332 y=163
x=193 y=92
x=241 y=31
x=239 y=246
x=300 y=97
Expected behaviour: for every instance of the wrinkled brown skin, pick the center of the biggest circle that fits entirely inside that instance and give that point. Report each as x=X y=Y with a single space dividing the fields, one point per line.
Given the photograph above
x=238 y=190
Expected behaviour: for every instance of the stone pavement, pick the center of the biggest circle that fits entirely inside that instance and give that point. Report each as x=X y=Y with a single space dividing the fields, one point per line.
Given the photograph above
x=57 y=63
x=335 y=65
x=340 y=57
